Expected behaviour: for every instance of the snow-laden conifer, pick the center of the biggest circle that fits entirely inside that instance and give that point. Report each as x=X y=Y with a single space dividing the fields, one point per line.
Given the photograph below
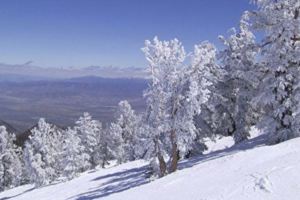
x=240 y=79
x=75 y=160
x=124 y=132
x=280 y=55
x=89 y=131
x=42 y=155
x=174 y=97
x=10 y=163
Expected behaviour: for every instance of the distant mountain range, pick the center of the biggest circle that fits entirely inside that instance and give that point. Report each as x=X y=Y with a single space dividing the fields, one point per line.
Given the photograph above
x=25 y=72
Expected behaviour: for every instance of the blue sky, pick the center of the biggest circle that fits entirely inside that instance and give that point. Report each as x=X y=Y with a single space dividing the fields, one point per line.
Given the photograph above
x=62 y=33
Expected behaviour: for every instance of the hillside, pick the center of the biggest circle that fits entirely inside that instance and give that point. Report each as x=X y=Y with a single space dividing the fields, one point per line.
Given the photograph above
x=247 y=171
x=9 y=127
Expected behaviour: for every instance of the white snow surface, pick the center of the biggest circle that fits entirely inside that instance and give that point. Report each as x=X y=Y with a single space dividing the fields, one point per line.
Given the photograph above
x=250 y=170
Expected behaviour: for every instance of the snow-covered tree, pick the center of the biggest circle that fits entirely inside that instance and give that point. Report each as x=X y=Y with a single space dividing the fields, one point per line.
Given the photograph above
x=174 y=97
x=35 y=167
x=240 y=80
x=108 y=147
x=124 y=132
x=208 y=77
x=10 y=163
x=42 y=155
x=279 y=21
x=89 y=131
x=116 y=142
x=75 y=159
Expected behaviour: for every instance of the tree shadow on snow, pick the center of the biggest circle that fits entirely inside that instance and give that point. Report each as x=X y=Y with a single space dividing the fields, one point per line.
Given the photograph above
x=244 y=146
x=117 y=182
x=127 y=179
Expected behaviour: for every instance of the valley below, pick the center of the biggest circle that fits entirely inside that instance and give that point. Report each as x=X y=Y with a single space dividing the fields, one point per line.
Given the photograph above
x=62 y=101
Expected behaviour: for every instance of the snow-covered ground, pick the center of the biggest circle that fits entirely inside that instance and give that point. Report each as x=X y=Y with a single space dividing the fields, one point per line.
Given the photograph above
x=248 y=171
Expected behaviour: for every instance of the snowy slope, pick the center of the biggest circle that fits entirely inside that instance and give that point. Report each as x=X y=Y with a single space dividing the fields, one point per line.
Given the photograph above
x=248 y=171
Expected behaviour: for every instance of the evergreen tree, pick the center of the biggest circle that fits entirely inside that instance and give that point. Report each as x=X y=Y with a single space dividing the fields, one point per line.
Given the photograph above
x=75 y=159
x=108 y=147
x=89 y=131
x=240 y=79
x=174 y=97
x=10 y=163
x=124 y=132
x=41 y=154
x=280 y=55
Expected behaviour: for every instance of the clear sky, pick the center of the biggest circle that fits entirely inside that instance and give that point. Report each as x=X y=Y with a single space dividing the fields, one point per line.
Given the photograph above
x=62 y=33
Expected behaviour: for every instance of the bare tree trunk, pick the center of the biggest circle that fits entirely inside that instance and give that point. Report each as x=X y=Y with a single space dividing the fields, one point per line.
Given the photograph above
x=103 y=164
x=162 y=165
x=175 y=153
x=161 y=160
x=104 y=161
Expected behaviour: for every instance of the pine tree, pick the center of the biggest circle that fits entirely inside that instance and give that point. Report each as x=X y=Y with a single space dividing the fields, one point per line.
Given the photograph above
x=174 y=97
x=41 y=154
x=116 y=142
x=75 y=159
x=108 y=147
x=240 y=79
x=124 y=132
x=10 y=163
x=89 y=131
x=279 y=90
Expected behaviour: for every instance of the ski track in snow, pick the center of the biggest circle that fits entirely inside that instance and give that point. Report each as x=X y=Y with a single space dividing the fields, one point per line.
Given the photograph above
x=247 y=171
